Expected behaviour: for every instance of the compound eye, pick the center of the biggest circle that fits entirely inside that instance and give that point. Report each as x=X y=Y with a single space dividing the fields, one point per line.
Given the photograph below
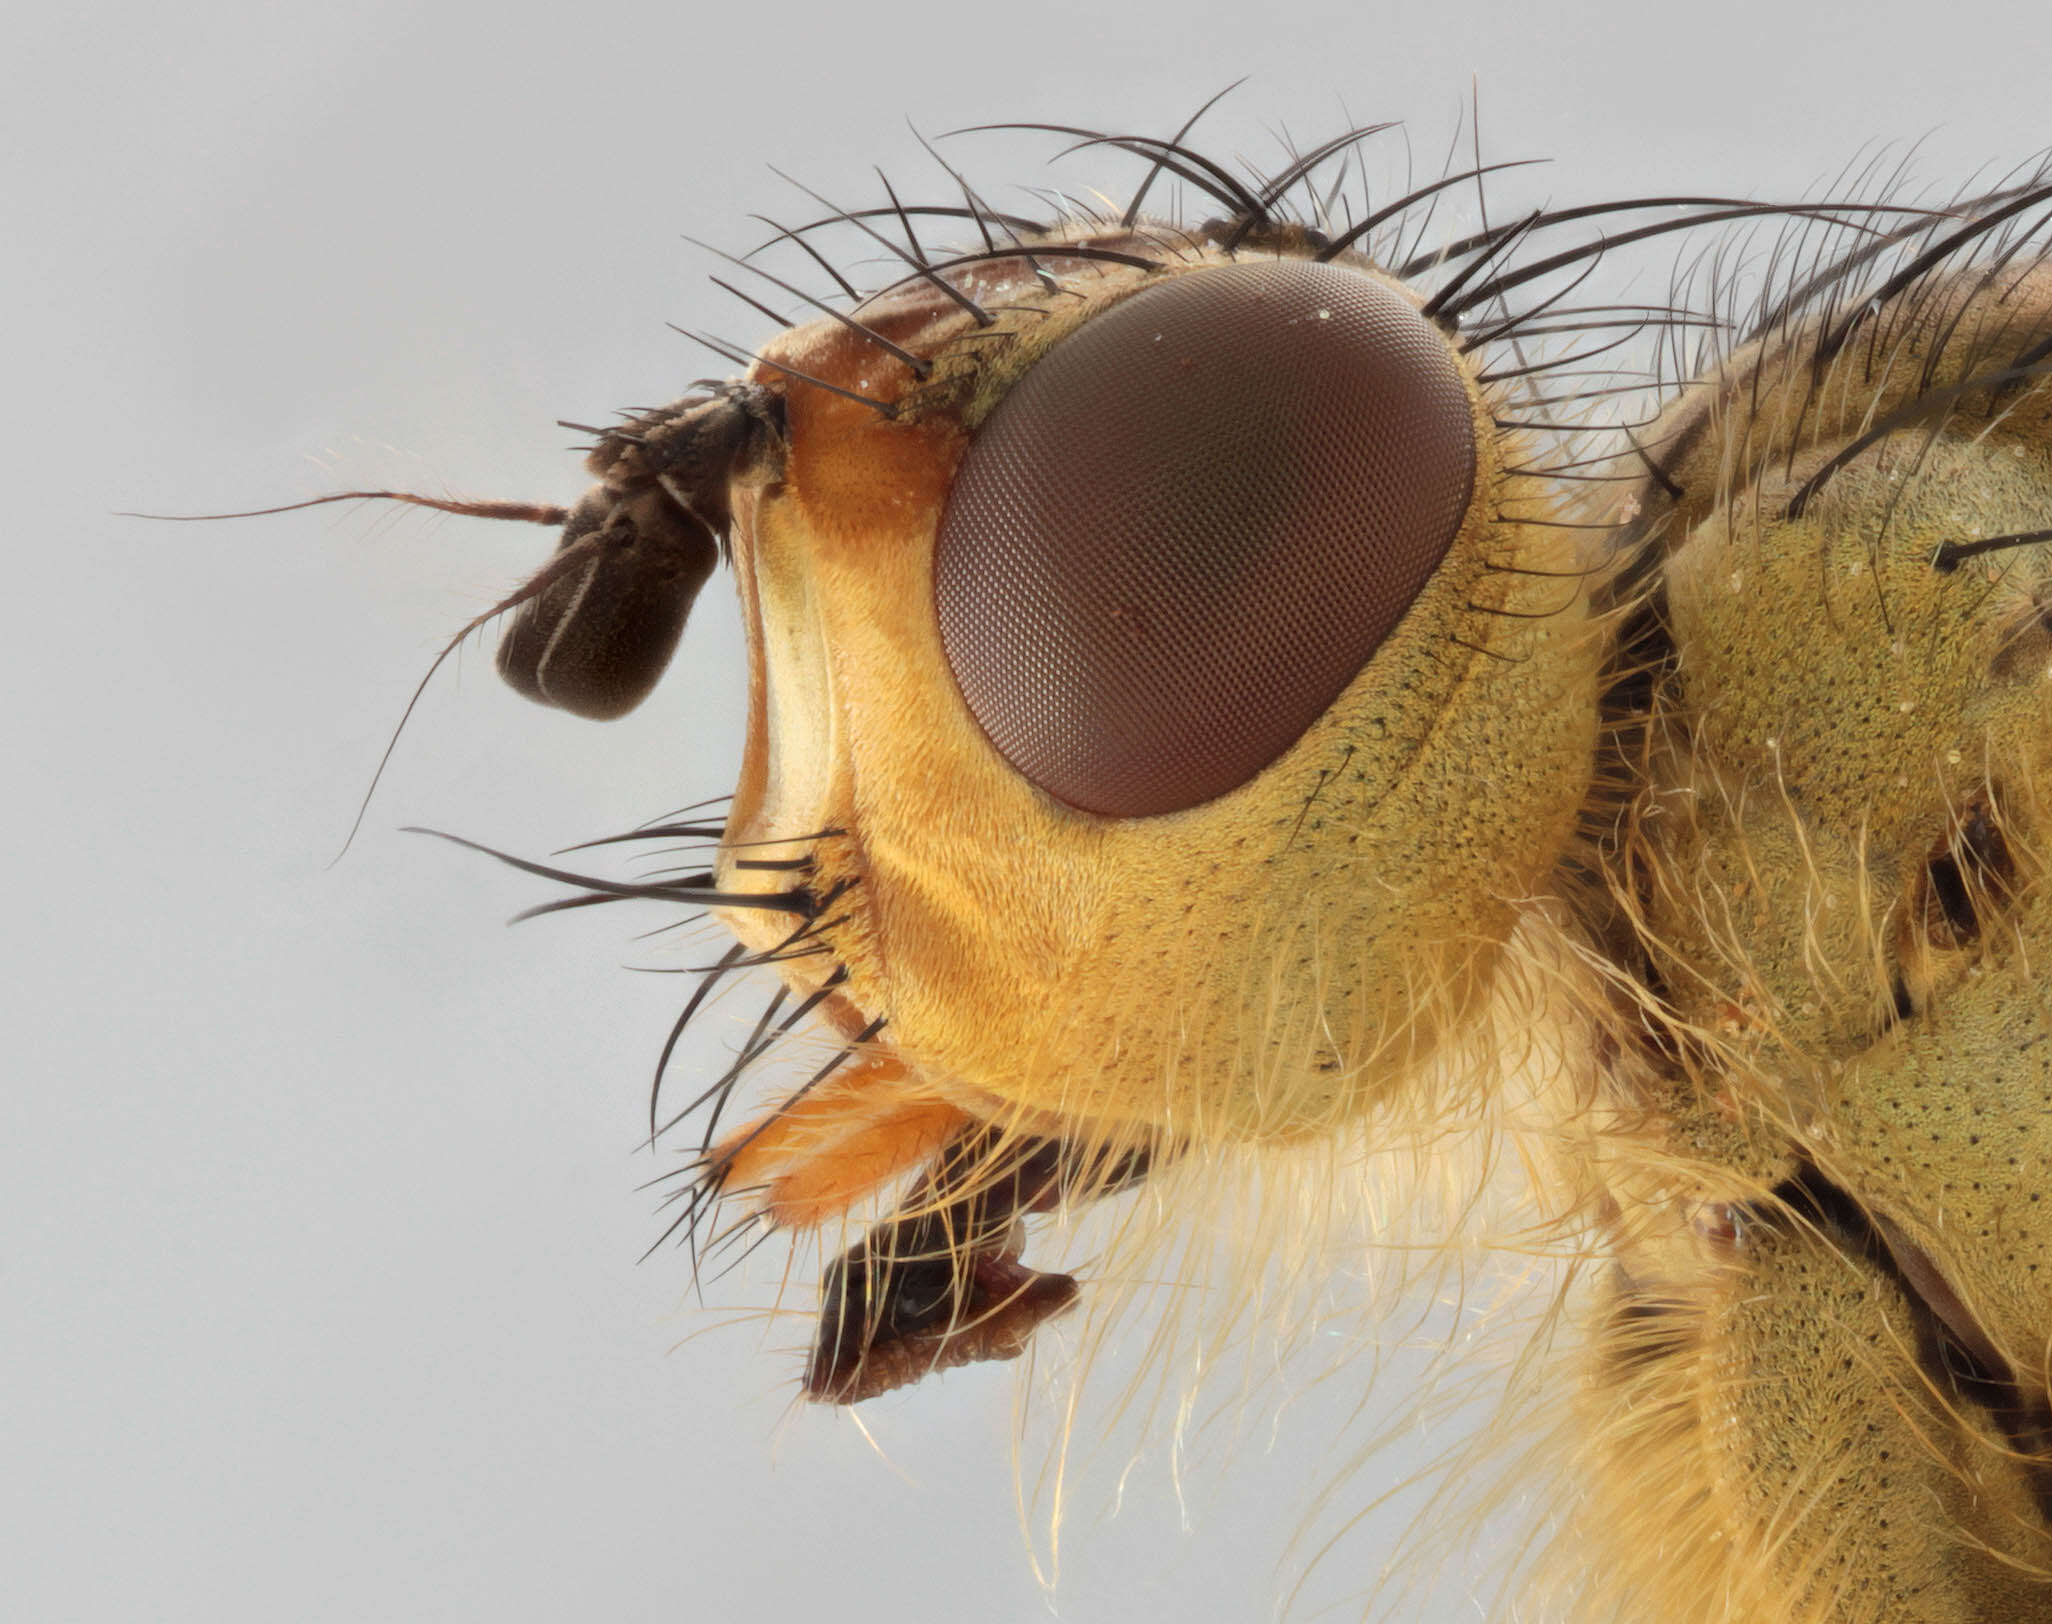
x=1187 y=527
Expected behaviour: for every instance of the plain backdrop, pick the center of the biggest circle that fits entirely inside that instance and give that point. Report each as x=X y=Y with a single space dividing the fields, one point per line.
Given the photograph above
x=319 y=1214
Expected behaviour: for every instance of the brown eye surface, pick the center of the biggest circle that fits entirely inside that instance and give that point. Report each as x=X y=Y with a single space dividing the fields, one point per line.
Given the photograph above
x=1187 y=527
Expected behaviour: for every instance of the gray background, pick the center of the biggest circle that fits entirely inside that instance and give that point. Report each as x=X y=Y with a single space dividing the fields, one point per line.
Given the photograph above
x=318 y=1221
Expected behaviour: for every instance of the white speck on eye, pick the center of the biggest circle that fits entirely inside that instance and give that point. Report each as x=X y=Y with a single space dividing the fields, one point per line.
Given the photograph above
x=1325 y=315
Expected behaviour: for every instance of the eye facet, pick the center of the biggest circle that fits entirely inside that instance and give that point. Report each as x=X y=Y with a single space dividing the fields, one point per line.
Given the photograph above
x=1188 y=526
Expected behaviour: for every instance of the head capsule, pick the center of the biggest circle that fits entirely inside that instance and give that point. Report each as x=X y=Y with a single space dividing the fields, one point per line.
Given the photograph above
x=1193 y=684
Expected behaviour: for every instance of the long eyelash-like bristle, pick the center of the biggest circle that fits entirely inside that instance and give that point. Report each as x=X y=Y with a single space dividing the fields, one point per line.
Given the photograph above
x=919 y=365
x=920 y=268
